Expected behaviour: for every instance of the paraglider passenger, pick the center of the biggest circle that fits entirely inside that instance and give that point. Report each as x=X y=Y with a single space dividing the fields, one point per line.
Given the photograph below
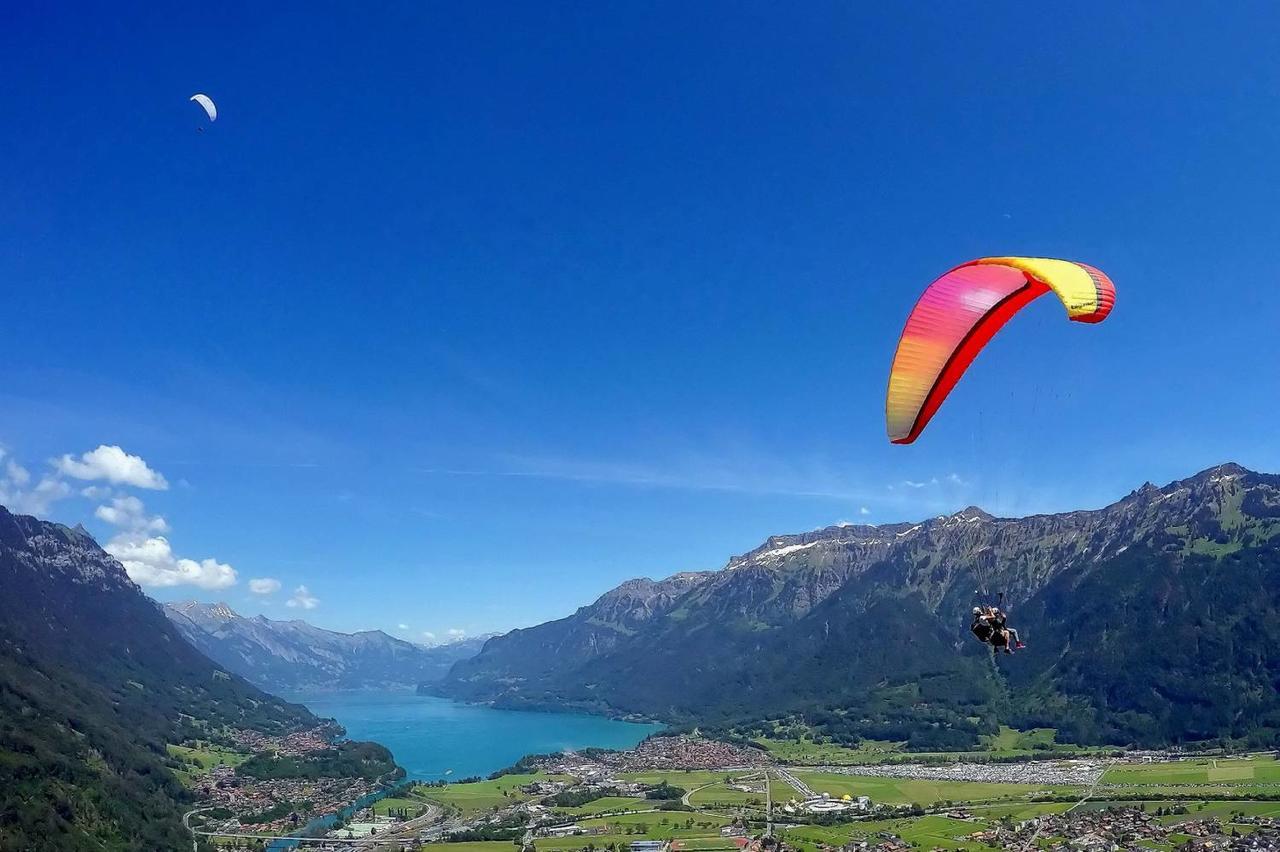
x=991 y=628
x=982 y=627
x=1000 y=621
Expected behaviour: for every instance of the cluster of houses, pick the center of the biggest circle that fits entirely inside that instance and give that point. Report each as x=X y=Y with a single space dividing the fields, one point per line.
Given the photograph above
x=656 y=753
x=314 y=739
x=246 y=797
x=1115 y=829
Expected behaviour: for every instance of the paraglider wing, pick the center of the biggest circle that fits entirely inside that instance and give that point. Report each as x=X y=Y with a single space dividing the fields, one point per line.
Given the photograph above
x=961 y=311
x=206 y=102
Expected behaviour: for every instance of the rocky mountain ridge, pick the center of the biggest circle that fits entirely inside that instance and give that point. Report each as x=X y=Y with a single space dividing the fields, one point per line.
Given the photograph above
x=294 y=655
x=838 y=618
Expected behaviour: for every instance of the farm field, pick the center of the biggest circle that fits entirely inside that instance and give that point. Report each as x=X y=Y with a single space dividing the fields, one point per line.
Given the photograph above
x=1206 y=771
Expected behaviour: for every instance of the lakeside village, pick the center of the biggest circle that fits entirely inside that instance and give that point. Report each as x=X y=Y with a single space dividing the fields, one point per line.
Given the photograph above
x=688 y=794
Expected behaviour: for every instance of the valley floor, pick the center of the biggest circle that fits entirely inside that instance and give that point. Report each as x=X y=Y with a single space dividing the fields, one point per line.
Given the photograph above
x=1143 y=801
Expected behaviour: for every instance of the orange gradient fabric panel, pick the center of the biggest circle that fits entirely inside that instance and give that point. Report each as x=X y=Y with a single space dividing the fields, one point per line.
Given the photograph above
x=961 y=311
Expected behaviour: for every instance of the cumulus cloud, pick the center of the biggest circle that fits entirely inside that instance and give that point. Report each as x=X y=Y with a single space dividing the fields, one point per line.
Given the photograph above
x=402 y=626
x=150 y=561
x=428 y=635
x=864 y=511
x=109 y=462
x=146 y=554
x=19 y=495
x=264 y=585
x=456 y=632
x=14 y=472
x=303 y=599
x=130 y=513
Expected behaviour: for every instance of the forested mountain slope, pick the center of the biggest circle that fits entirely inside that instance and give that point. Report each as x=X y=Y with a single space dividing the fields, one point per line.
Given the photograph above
x=94 y=681
x=1154 y=619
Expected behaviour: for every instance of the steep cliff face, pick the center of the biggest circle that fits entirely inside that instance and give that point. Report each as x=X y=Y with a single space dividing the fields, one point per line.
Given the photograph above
x=872 y=620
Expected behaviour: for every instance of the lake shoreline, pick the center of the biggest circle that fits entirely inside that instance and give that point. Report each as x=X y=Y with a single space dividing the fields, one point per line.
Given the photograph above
x=440 y=739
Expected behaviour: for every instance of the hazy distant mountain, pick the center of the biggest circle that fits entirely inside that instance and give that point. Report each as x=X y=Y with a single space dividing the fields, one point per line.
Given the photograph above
x=294 y=655
x=93 y=682
x=1154 y=619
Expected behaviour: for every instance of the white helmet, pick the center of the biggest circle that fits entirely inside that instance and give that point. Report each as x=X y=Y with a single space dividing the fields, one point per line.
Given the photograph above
x=977 y=610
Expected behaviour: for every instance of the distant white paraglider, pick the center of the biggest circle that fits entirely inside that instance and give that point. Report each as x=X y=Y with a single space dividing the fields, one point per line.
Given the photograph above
x=206 y=102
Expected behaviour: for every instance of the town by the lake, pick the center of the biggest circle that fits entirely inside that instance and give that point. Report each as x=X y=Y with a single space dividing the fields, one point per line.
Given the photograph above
x=693 y=794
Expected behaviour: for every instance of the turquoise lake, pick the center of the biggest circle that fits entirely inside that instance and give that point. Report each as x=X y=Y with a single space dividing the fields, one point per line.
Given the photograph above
x=430 y=736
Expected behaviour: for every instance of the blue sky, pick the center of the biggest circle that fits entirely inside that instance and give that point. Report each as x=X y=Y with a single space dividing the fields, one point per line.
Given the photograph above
x=462 y=313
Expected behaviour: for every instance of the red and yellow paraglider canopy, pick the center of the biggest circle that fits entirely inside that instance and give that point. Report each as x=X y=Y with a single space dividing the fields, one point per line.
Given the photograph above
x=964 y=309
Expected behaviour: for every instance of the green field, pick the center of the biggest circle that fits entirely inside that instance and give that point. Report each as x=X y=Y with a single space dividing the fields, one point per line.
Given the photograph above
x=198 y=761
x=905 y=791
x=987 y=802
x=477 y=846
x=652 y=826
x=1007 y=743
x=1012 y=741
x=205 y=758
x=1018 y=812
x=566 y=844
x=702 y=844
x=928 y=832
x=807 y=752
x=723 y=795
x=1230 y=771
x=610 y=803
x=479 y=796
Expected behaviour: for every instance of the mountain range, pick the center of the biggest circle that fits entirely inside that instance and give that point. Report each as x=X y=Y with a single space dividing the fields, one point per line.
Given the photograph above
x=296 y=656
x=94 y=682
x=1153 y=620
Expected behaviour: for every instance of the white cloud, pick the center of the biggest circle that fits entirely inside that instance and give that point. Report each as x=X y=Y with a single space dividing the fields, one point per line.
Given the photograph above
x=15 y=473
x=264 y=585
x=303 y=599
x=147 y=556
x=17 y=495
x=864 y=511
x=456 y=632
x=402 y=626
x=129 y=512
x=934 y=482
x=150 y=561
x=113 y=464
x=428 y=635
